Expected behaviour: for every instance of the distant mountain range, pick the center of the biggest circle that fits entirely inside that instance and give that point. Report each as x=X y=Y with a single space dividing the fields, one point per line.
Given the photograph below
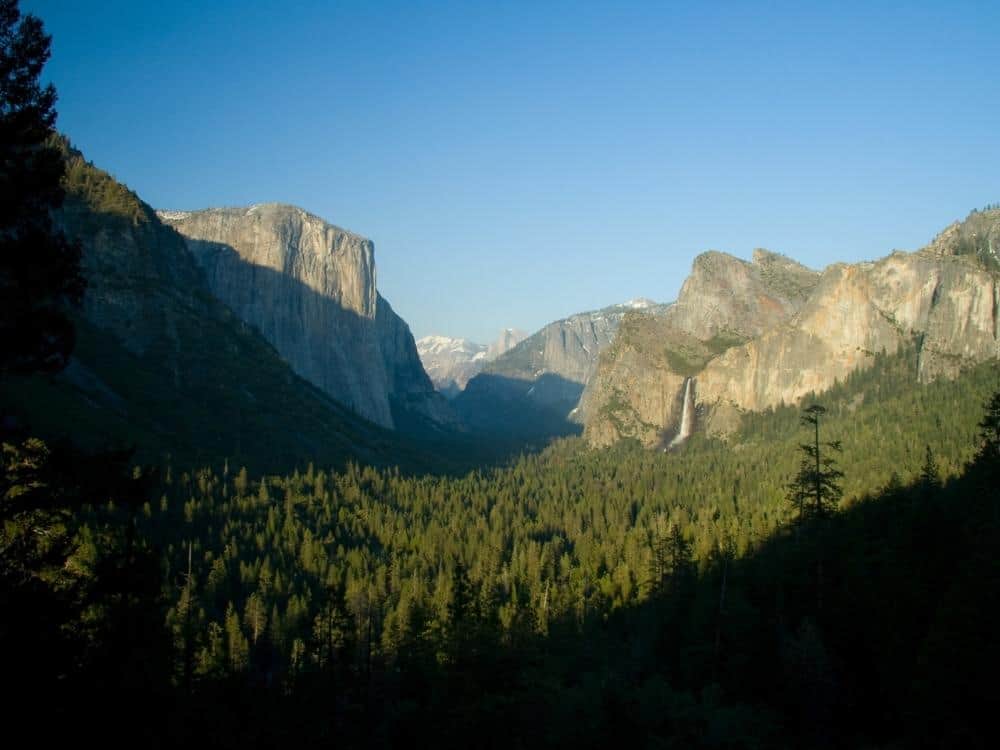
x=451 y=362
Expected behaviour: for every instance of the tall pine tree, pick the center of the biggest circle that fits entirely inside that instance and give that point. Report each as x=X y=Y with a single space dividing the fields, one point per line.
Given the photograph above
x=39 y=268
x=815 y=491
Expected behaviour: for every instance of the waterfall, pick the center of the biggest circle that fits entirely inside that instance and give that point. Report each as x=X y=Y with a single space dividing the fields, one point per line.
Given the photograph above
x=687 y=414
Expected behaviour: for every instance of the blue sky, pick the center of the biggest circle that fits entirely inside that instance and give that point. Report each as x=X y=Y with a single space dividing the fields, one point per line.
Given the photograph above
x=518 y=162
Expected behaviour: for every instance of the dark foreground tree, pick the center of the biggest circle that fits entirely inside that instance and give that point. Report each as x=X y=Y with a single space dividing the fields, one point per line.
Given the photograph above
x=930 y=475
x=39 y=267
x=988 y=455
x=815 y=491
x=80 y=606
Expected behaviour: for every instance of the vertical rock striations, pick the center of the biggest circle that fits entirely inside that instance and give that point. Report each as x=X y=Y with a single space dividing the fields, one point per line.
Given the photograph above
x=309 y=287
x=943 y=304
x=725 y=302
x=162 y=364
x=533 y=389
x=507 y=340
x=769 y=332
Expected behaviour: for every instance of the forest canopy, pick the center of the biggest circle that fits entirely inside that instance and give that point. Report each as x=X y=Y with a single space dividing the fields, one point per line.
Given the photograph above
x=824 y=577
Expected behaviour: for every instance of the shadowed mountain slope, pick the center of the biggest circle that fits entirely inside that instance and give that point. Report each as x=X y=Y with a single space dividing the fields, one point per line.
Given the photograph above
x=162 y=364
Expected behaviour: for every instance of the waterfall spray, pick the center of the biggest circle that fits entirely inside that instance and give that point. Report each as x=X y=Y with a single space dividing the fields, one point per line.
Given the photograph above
x=687 y=414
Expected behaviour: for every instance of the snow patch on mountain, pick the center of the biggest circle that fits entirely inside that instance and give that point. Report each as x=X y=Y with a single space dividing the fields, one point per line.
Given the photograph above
x=451 y=362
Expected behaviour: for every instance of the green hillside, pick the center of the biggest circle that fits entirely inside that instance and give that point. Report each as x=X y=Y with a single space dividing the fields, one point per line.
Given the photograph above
x=162 y=365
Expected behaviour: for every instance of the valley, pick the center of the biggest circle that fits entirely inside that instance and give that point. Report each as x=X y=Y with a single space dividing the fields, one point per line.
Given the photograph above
x=564 y=509
x=297 y=293
x=243 y=505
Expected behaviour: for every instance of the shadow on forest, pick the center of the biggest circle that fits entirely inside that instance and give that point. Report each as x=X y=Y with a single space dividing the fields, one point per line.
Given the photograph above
x=873 y=628
x=870 y=628
x=532 y=411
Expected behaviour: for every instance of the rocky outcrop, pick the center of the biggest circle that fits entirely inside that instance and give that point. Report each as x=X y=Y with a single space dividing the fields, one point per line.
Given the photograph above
x=310 y=288
x=637 y=391
x=507 y=340
x=637 y=388
x=567 y=348
x=945 y=304
x=730 y=299
x=162 y=364
x=535 y=386
x=976 y=238
x=757 y=335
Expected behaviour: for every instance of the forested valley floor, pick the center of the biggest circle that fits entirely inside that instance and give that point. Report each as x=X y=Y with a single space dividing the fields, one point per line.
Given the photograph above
x=573 y=597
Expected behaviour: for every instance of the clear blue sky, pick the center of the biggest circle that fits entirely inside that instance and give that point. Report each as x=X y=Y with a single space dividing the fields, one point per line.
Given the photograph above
x=518 y=162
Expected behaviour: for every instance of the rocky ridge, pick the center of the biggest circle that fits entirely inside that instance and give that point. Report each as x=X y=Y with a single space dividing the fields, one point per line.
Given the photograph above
x=162 y=364
x=568 y=348
x=544 y=375
x=756 y=335
x=507 y=340
x=310 y=288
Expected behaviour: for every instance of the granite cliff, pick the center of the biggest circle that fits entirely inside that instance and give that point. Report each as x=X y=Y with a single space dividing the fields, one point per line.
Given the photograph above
x=533 y=388
x=161 y=363
x=753 y=336
x=507 y=340
x=310 y=289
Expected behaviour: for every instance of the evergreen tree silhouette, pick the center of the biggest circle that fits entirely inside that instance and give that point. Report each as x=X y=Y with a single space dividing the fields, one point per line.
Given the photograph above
x=39 y=268
x=815 y=491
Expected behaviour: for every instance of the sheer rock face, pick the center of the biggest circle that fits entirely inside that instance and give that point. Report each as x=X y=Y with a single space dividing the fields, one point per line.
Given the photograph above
x=338 y=265
x=507 y=340
x=801 y=332
x=309 y=287
x=947 y=304
x=728 y=297
x=637 y=388
x=161 y=363
x=567 y=348
x=139 y=274
x=536 y=385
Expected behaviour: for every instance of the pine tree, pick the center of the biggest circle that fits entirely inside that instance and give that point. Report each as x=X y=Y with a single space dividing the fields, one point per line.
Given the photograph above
x=930 y=475
x=679 y=555
x=255 y=616
x=815 y=491
x=242 y=482
x=460 y=606
x=236 y=643
x=988 y=455
x=39 y=268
